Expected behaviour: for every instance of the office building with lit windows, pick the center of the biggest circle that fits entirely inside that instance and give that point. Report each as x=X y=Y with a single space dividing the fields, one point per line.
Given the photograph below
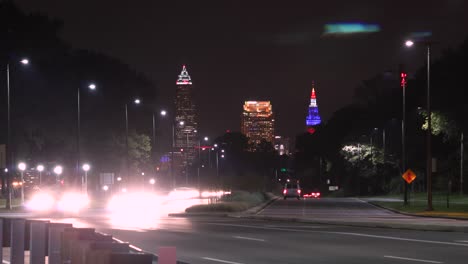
x=257 y=122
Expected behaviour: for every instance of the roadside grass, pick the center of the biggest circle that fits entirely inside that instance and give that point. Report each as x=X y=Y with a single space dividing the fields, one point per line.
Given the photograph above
x=236 y=202
x=15 y=205
x=457 y=206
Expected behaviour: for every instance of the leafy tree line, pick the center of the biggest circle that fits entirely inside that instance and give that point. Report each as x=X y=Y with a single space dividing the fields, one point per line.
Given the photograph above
x=360 y=146
x=44 y=97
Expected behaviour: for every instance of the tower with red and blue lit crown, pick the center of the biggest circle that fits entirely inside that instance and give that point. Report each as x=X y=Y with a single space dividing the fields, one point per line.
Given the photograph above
x=313 y=118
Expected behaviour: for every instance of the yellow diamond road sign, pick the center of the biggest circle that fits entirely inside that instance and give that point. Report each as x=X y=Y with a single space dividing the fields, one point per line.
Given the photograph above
x=409 y=176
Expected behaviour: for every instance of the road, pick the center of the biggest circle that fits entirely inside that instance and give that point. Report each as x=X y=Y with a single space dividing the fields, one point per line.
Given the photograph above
x=241 y=240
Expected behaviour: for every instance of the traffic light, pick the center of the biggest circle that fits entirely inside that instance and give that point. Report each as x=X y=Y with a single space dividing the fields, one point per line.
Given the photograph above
x=403 y=76
x=283 y=170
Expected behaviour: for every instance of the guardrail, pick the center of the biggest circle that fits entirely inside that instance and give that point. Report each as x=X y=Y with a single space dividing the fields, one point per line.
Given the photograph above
x=59 y=243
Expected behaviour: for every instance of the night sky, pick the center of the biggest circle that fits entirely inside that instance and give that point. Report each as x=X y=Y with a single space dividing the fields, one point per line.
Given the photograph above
x=242 y=51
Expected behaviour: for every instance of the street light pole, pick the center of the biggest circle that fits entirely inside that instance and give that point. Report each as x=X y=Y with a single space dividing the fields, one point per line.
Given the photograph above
x=429 y=131
x=172 y=156
x=9 y=148
x=410 y=43
x=78 y=132
x=403 y=132
x=461 y=163
x=126 y=142
x=9 y=155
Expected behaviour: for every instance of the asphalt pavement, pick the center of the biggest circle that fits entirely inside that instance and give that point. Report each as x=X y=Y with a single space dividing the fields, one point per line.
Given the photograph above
x=244 y=240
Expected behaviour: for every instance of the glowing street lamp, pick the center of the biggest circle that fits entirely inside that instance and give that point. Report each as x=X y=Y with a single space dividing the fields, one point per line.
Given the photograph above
x=163 y=113
x=40 y=169
x=84 y=184
x=58 y=170
x=152 y=181
x=22 y=168
x=105 y=188
x=409 y=43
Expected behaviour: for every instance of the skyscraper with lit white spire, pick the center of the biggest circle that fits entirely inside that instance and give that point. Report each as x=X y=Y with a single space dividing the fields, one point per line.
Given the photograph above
x=186 y=135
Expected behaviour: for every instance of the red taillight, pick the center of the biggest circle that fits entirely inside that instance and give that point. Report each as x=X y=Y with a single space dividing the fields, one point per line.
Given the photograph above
x=318 y=194
x=285 y=191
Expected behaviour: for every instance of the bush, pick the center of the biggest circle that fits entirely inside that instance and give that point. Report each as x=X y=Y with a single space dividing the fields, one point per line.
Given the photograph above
x=235 y=202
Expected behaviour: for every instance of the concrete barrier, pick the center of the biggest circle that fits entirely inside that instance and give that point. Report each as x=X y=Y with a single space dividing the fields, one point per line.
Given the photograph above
x=38 y=242
x=17 y=241
x=64 y=244
x=55 y=241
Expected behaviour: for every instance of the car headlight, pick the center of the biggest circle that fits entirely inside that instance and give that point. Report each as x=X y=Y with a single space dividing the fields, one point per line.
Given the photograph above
x=73 y=202
x=41 y=202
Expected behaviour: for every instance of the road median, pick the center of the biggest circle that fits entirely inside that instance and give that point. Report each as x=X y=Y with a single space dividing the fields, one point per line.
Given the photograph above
x=239 y=202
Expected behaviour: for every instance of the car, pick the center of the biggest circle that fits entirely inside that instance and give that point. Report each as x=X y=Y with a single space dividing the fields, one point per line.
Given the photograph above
x=292 y=190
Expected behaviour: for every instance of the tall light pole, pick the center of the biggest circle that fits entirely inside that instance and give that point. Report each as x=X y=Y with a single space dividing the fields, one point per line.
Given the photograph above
x=9 y=148
x=161 y=113
x=92 y=87
x=137 y=102
x=84 y=183
x=22 y=168
x=403 y=76
x=410 y=43
x=199 y=162
x=181 y=123
x=40 y=169
x=461 y=163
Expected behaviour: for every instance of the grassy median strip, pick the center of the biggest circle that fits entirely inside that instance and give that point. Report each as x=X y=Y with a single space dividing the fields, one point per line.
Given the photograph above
x=457 y=207
x=236 y=202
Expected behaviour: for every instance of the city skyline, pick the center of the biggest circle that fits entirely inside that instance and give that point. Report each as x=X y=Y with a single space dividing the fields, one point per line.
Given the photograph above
x=233 y=56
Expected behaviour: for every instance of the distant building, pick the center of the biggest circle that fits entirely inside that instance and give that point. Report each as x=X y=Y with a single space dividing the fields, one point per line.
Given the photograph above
x=313 y=118
x=257 y=121
x=282 y=145
x=186 y=135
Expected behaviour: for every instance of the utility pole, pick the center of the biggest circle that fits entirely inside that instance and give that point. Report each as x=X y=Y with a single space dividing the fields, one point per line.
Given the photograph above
x=403 y=130
x=461 y=163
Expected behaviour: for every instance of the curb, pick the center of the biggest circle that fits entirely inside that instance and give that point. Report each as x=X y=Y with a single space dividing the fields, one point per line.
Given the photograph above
x=363 y=224
x=258 y=208
x=220 y=214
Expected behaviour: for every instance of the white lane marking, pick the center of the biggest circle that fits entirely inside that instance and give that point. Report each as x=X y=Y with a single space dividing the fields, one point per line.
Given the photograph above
x=6 y=262
x=250 y=238
x=221 y=261
x=347 y=234
x=413 y=259
x=461 y=241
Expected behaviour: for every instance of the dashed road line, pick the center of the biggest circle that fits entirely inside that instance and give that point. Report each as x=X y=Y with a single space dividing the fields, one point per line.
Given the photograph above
x=221 y=261
x=413 y=259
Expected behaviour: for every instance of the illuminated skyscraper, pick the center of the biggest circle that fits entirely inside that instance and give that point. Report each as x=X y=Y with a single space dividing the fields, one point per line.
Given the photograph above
x=186 y=135
x=258 y=122
x=313 y=118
